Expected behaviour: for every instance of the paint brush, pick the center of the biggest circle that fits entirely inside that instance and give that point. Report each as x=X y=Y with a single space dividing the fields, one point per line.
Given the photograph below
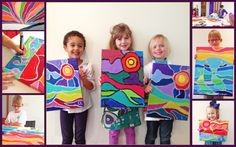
x=21 y=45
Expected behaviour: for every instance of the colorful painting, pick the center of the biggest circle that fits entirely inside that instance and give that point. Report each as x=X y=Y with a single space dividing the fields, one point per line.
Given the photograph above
x=216 y=131
x=169 y=98
x=122 y=79
x=21 y=136
x=29 y=13
x=63 y=86
x=214 y=71
x=29 y=68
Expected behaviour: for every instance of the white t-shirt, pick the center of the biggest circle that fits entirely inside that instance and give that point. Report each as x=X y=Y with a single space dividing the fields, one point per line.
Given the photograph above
x=87 y=67
x=20 y=117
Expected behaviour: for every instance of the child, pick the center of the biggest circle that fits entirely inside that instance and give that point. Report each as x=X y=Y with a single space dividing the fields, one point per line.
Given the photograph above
x=222 y=12
x=159 y=50
x=213 y=114
x=121 y=39
x=7 y=77
x=74 y=44
x=214 y=40
x=17 y=117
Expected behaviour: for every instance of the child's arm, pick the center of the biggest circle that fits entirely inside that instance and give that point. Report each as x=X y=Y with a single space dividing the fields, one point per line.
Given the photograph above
x=87 y=77
x=7 y=42
x=7 y=78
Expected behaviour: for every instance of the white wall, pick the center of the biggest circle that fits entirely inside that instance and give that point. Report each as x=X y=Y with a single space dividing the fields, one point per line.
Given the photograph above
x=199 y=113
x=34 y=107
x=200 y=38
x=95 y=21
x=229 y=6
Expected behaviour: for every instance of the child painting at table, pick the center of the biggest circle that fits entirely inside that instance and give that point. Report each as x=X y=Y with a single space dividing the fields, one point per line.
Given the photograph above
x=18 y=116
x=159 y=50
x=127 y=118
x=76 y=119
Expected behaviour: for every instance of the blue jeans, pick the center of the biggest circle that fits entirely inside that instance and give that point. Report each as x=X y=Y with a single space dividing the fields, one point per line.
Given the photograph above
x=165 y=131
x=67 y=120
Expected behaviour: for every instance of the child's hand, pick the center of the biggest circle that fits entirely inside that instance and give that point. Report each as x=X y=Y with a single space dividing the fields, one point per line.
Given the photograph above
x=20 y=50
x=82 y=74
x=195 y=57
x=7 y=78
x=148 y=89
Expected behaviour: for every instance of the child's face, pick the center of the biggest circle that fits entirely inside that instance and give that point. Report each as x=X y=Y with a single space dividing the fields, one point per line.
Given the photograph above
x=16 y=107
x=158 y=49
x=74 y=47
x=214 y=41
x=211 y=113
x=123 y=42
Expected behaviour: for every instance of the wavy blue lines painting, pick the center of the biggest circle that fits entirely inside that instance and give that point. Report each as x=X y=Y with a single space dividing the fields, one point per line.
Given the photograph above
x=63 y=87
x=169 y=98
x=214 y=71
x=122 y=79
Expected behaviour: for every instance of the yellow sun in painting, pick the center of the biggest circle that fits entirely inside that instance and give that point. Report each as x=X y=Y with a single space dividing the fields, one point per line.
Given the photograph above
x=182 y=80
x=67 y=71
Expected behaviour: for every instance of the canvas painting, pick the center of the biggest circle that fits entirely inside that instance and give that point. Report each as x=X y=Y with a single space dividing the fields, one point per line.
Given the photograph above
x=214 y=71
x=213 y=130
x=63 y=86
x=29 y=68
x=169 y=98
x=122 y=79
x=29 y=14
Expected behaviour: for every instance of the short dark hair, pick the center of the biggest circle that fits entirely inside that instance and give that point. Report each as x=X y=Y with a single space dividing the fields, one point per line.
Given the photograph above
x=73 y=33
x=221 y=6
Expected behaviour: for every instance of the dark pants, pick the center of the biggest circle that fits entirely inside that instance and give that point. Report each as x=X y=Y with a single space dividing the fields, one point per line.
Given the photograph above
x=67 y=120
x=165 y=131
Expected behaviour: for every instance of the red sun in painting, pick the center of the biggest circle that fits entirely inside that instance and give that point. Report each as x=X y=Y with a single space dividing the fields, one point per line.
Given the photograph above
x=67 y=71
x=182 y=80
x=131 y=62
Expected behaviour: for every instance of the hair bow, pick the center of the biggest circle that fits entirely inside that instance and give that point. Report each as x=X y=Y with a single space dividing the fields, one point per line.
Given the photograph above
x=214 y=104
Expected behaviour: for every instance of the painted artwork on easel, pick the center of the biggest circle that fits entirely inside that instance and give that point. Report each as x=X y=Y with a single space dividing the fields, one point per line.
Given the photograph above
x=122 y=79
x=27 y=15
x=29 y=68
x=169 y=98
x=214 y=71
x=63 y=86
x=216 y=131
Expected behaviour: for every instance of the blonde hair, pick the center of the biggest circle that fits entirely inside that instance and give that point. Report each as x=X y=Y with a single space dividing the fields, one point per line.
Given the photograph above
x=116 y=32
x=214 y=33
x=217 y=112
x=166 y=41
x=17 y=99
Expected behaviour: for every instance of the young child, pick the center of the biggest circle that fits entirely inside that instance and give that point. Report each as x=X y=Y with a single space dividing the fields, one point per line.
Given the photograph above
x=222 y=12
x=17 y=117
x=7 y=77
x=213 y=114
x=74 y=44
x=159 y=50
x=214 y=40
x=127 y=118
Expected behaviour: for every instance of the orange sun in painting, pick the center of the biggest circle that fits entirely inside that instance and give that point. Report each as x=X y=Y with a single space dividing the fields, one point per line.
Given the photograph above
x=67 y=71
x=131 y=62
x=182 y=80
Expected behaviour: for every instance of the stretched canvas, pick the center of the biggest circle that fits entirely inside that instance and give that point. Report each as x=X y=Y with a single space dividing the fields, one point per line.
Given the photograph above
x=20 y=138
x=63 y=86
x=29 y=68
x=18 y=135
x=213 y=130
x=28 y=13
x=169 y=98
x=122 y=79
x=214 y=71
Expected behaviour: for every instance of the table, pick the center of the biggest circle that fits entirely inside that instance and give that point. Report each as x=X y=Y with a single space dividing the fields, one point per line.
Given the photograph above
x=205 y=22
